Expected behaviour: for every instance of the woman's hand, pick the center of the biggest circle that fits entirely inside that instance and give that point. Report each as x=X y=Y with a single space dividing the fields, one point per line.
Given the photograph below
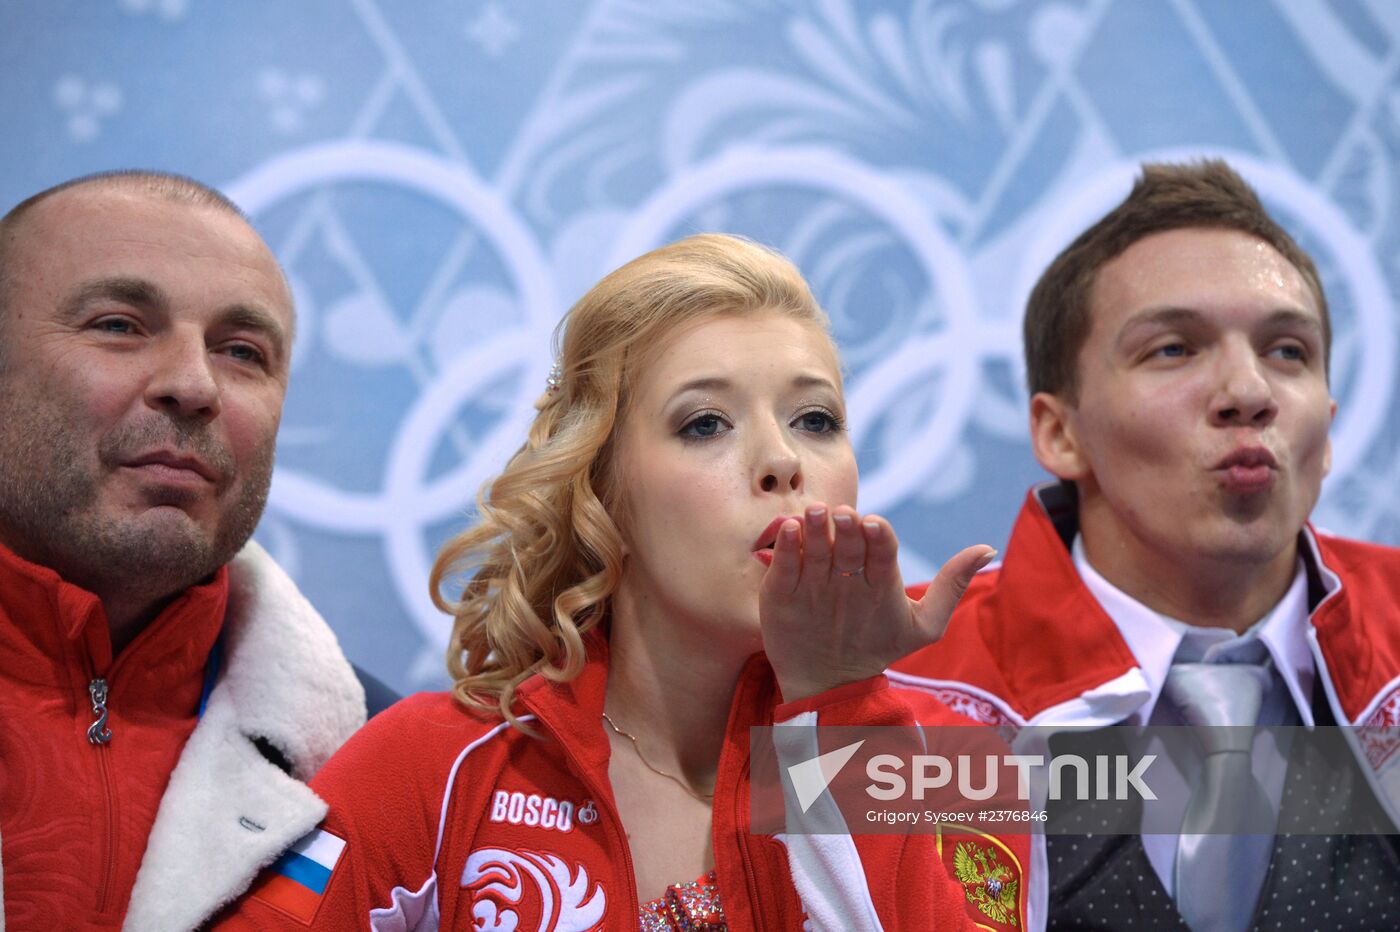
x=832 y=605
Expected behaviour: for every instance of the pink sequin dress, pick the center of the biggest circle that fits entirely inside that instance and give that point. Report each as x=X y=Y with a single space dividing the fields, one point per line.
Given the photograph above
x=690 y=907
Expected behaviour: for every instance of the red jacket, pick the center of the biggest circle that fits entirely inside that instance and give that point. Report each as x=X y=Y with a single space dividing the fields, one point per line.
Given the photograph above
x=450 y=821
x=1029 y=645
x=75 y=815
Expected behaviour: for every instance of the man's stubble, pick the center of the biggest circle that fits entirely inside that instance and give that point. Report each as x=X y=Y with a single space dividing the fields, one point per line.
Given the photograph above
x=48 y=494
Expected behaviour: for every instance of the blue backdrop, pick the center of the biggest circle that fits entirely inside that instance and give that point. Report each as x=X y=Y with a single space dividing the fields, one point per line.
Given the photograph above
x=443 y=178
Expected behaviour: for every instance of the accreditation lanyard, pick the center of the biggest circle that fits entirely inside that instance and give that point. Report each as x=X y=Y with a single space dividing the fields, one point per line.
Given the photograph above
x=211 y=673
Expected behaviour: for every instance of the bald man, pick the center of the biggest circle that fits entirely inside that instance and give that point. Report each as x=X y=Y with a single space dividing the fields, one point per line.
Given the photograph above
x=165 y=689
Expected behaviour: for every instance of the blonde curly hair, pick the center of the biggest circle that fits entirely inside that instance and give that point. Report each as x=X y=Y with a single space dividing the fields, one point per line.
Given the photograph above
x=546 y=554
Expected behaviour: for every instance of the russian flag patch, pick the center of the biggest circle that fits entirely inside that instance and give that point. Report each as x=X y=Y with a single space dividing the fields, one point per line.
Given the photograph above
x=296 y=881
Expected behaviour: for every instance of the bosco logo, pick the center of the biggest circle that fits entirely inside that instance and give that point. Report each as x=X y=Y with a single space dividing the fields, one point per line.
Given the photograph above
x=533 y=810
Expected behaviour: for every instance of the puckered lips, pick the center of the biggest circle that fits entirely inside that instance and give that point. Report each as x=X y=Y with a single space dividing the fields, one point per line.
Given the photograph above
x=1248 y=470
x=170 y=467
x=763 y=544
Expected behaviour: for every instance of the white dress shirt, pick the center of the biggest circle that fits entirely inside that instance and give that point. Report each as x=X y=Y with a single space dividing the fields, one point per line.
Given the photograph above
x=1278 y=641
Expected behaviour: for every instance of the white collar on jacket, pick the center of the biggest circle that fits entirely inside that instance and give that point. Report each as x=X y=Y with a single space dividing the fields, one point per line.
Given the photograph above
x=227 y=811
x=1154 y=638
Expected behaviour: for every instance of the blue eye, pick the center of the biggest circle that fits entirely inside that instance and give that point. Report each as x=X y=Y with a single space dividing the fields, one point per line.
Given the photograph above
x=1172 y=350
x=704 y=426
x=114 y=325
x=1291 y=352
x=245 y=353
x=818 y=422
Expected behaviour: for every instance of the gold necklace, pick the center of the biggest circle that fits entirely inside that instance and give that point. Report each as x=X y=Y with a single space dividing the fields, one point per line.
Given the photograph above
x=706 y=798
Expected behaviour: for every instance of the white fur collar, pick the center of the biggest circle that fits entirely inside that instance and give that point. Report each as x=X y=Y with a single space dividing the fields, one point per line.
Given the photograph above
x=227 y=811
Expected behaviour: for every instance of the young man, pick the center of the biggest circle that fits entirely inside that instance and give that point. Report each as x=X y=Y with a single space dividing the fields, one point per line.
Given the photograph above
x=1177 y=356
x=164 y=695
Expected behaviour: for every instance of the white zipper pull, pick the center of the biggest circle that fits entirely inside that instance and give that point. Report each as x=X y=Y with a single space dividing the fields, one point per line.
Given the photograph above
x=98 y=732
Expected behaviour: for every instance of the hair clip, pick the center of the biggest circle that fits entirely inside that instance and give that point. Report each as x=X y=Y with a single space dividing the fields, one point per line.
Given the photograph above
x=555 y=381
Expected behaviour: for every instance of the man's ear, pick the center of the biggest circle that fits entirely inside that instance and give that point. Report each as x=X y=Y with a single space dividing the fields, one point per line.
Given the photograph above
x=1054 y=437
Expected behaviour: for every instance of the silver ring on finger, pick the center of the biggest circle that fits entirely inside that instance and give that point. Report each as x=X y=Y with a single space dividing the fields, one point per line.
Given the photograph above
x=858 y=571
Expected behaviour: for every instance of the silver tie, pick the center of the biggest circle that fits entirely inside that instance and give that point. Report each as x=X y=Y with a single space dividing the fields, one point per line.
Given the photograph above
x=1223 y=853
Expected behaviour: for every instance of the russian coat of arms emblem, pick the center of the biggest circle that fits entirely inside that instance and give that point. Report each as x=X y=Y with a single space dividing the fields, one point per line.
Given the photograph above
x=990 y=885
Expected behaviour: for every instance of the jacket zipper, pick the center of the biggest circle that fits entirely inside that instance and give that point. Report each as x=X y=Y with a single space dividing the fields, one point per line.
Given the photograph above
x=746 y=855
x=734 y=776
x=99 y=735
x=98 y=732
x=604 y=801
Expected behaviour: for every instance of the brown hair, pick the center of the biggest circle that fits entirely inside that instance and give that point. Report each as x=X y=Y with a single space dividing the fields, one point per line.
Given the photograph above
x=1208 y=193
x=546 y=555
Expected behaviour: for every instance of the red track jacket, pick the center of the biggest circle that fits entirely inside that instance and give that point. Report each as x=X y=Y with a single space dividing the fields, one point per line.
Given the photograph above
x=1029 y=645
x=75 y=815
x=453 y=822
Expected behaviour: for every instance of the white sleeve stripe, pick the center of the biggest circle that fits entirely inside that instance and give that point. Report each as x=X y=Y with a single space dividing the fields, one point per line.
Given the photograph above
x=830 y=881
x=826 y=868
x=417 y=910
x=452 y=779
x=409 y=910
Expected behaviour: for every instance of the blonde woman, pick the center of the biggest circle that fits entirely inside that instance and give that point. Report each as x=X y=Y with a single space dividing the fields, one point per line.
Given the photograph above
x=672 y=557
